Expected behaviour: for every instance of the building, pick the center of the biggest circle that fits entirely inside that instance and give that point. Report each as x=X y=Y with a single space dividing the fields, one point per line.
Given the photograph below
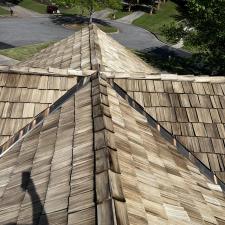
x=93 y=135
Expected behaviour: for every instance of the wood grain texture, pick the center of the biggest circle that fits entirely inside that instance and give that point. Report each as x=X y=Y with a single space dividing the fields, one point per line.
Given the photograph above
x=58 y=154
x=95 y=159
x=192 y=111
x=160 y=186
x=23 y=96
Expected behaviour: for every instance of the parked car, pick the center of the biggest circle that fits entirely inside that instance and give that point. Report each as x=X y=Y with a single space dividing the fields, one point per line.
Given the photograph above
x=51 y=9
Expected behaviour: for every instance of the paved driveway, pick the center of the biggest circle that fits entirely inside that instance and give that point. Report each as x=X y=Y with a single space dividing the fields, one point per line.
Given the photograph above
x=24 y=31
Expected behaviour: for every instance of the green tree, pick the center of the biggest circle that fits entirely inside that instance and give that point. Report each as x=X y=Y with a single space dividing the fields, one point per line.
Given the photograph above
x=114 y=5
x=204 y=28
x=94 y=5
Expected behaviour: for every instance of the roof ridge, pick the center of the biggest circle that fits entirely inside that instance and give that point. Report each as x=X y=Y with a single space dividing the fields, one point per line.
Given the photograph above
x=41 y=116
x=168 y=136
x=96 y=57
x=162 y=76
x=110 y=200
x=50 y=71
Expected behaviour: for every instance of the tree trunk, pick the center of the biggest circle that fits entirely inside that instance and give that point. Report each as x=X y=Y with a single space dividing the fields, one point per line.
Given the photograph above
x=91 y=13
x=114 y=14
x=129 y=7
x=151 y=11
x=158 y=5
x=91 y=19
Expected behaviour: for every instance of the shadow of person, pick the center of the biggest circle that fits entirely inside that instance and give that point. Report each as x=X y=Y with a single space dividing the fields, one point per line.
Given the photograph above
x=37 y=207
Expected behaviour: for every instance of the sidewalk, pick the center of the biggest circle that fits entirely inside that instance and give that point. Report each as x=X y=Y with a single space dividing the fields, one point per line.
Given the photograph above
x=130 y=18
x=102 y=14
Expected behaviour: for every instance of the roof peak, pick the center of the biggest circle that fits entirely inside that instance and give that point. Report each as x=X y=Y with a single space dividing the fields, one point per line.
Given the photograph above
x=89 y=49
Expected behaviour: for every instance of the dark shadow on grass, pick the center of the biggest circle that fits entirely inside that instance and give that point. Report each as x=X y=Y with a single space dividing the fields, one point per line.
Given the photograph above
x=5 y=45
x=75 y=19
x=39 y=216
x=182 y=10
x=171 y=60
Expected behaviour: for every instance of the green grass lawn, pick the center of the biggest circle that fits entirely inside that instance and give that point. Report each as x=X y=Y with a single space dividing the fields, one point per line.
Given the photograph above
x=119 y=14
x=78 y=10
x=3 y=11
x=33 y=5
x=24 y=52
x=155 y=22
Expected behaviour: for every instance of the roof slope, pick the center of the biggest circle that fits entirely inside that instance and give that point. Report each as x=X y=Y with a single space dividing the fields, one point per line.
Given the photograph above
x=90 y=163
x=26 y=92
x=191 y=109
x=86 y=49
x=96 y=156
x=59 y=157
x=72 y=52
x=160 y=186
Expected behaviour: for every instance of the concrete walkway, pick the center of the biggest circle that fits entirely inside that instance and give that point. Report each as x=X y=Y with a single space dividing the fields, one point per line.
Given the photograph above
x=102 y=14
x=130 y=18
x=7 y=61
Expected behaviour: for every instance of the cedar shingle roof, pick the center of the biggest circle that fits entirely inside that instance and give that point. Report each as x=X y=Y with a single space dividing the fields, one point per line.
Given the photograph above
x=193 y=111
x=97 y=158
x=24 y=94
x=99 y=155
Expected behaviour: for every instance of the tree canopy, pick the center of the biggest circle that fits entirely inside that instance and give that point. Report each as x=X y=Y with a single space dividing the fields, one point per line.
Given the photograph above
x=204 y=27
x=91 y=5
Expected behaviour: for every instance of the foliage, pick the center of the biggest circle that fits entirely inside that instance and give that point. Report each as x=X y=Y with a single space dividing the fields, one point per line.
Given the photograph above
x=114 y=4
x=204 y=27
x=3 y=11
x=173 y=31
x=154 y=23
x=65 y=3
x=89 y=6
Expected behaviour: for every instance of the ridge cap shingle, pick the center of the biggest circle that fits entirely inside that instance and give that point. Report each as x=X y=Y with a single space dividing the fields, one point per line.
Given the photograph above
x=50 y=71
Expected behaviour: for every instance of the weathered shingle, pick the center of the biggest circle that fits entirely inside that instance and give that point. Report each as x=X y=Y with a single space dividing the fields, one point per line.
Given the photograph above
x=100 y=154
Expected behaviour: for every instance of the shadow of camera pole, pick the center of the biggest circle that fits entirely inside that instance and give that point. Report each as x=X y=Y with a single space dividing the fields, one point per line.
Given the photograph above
x=37 y=207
